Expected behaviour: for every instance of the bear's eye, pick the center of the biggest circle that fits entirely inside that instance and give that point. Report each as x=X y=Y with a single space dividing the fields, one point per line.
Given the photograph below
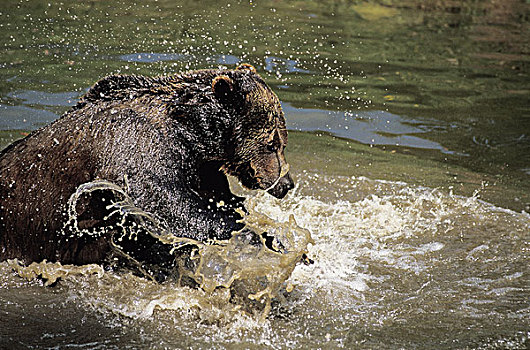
x=272 y=147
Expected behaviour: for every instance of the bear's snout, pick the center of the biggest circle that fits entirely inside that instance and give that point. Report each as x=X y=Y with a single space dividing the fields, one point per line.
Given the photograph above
x=283 y=186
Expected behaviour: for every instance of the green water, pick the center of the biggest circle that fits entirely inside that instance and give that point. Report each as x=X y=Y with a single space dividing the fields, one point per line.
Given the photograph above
x=457 y=74
x=396 y=110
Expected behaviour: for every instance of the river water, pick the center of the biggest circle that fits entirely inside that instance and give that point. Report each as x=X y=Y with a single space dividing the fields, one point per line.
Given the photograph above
x=409 y=143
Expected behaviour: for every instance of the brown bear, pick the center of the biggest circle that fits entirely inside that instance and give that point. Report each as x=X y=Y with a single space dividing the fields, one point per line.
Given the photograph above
x=169 y=142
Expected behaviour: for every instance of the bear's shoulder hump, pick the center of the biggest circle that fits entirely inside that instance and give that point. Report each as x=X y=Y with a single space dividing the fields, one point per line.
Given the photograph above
x=117 y=87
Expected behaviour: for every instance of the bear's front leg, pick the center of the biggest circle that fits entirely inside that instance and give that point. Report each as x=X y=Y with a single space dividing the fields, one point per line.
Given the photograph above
x=179 y=210
x=182 y=208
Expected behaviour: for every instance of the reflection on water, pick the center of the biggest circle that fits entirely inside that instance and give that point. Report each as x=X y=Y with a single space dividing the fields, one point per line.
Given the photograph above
x=23 y=118
x=153 y=57
x=30 y=109
x=41 y=98
x=272 y=64
x=367 y=127
x=280 y=65
x=163 y=57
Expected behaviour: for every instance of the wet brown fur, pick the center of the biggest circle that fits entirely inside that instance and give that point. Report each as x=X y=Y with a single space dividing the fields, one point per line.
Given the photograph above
x=168 y=140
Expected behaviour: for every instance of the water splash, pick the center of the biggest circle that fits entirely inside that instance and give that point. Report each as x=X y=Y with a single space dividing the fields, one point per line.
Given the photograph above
x=251 y=274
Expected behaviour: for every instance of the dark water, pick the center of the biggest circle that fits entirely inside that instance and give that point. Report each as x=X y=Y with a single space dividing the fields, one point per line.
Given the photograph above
x=410 y=141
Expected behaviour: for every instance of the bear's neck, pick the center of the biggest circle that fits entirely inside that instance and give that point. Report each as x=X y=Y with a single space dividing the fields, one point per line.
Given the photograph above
x=206 y=136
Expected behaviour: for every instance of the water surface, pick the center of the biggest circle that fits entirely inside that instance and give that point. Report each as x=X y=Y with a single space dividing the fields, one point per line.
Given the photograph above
x=410 y=144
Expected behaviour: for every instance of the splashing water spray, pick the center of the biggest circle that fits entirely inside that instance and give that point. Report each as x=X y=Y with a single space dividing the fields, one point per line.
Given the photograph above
x=253 y=274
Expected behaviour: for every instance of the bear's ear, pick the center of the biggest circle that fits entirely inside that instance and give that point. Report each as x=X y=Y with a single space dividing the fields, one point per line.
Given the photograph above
x=246 y=66
x=222 y=87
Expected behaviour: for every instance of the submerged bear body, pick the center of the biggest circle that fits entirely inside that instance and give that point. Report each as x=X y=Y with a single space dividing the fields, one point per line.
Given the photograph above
x=168 y=141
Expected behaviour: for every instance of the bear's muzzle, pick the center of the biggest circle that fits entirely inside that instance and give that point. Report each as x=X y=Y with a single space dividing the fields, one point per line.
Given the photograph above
x=282 y=186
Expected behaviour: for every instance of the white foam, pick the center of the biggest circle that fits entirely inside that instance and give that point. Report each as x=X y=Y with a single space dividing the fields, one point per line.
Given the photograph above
x=377 y=227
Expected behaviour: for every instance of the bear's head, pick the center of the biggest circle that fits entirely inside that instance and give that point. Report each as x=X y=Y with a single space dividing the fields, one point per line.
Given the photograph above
x=259 y=136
